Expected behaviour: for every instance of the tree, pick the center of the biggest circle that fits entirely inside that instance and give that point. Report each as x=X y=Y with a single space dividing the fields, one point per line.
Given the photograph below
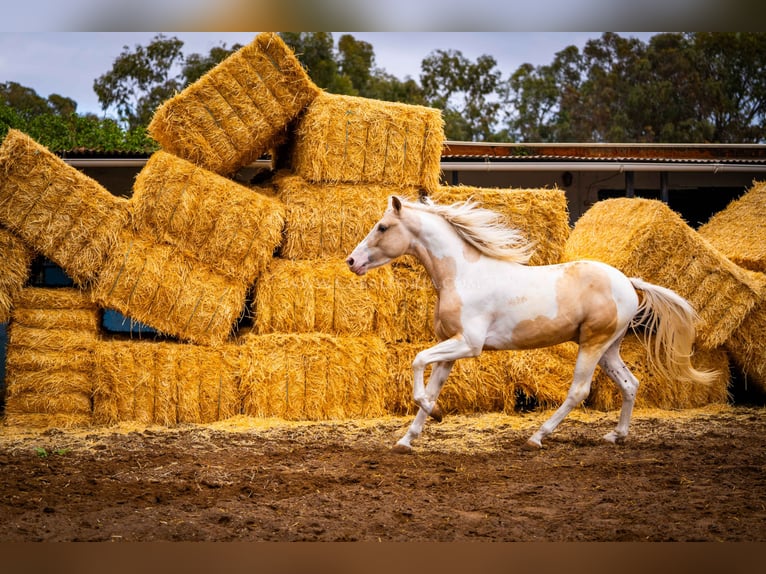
x=316 y=51
x=140 y=80
x=466 y=91
x=196 y=65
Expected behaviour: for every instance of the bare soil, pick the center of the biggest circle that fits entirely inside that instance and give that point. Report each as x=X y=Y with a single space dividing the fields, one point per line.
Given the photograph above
x=681 y=476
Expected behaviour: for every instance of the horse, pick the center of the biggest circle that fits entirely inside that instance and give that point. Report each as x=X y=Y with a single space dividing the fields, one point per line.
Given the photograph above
x=490 y=298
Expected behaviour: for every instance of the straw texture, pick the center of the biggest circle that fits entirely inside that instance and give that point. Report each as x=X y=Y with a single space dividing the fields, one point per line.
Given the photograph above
x=239 y=110
x=160 y=286
x=15 y=261
x=644 y=238
x=313 y=376
x=56 y=209
x=359 y=140
x=739 y=231
x=228 y=227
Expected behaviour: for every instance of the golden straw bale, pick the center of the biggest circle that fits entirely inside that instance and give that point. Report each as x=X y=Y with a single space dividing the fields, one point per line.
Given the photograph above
x=42 y=360
x=739 y=232
x=327 y=220
x=56 y=209
x=46 y=421
x=644 y=238
x=540 y=377
x=57 y=318
x=165 y=383
x=56 y=298
x=655 y=390
x=746 y=344
x=159 y=286
x=542 y=215
x=313 y=376
x=238 y=110
x=230 y=228
x=359 y=140
x=475 y=384
x=15 y=260
x=416 y=300
x=50 y=339
x=324 y=296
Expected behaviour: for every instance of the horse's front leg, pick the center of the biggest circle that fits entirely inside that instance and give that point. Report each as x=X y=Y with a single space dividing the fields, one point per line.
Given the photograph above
x=444 y=355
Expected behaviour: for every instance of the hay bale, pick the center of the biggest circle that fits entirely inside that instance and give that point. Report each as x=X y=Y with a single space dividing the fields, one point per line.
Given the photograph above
x=324 y=296
x=228 y=227
x=56 y=209
x=542 y=215
x=327 y=220
x=745 y=346
x=357 y=140
x=654 y=389
x=49 y=362
x=644 y=238
x=540 y=378
x=15 y=261
x=313 y=376
x=415 y=303
x=160 y=286
x=164 y=383
x=238 y=110
x=738 y=231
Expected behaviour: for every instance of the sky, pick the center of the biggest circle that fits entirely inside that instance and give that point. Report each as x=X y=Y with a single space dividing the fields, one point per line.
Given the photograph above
x=67 y=63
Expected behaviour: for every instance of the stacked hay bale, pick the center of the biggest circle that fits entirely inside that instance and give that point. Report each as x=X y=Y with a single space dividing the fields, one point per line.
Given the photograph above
x=348 y=139
x=644 y=238
x=347 y=156
x=49 y=366
x=15 y=260
x=196 y=244
x=738 y=233
x=238 y=110
x=313 y=376
x=165 y=383
x=58 y=211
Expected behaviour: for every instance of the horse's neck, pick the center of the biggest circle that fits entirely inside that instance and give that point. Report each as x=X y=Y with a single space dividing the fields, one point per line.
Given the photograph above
x=441 y=251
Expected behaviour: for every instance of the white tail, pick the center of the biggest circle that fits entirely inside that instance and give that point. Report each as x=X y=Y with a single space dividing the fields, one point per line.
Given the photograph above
x=670 y=318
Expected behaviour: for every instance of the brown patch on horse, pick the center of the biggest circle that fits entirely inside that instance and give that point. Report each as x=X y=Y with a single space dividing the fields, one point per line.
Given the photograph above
x=587 y=311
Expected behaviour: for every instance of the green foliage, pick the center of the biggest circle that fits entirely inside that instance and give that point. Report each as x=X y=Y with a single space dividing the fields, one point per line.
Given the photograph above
x=678 y=87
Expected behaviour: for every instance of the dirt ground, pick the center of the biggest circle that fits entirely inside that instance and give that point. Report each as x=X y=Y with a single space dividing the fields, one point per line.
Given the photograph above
x=681 y=476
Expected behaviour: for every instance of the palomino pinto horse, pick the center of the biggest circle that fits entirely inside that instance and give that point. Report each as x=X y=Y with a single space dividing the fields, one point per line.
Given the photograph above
x=488 y=298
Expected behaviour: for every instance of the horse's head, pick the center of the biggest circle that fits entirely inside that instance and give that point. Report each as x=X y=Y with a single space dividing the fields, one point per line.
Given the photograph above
x=388 y=239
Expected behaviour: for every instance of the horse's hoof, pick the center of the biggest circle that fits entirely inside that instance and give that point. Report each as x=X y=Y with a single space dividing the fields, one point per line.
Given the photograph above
x=402 y=449
x=614 y=438
x=437 y=413
x=532 y=445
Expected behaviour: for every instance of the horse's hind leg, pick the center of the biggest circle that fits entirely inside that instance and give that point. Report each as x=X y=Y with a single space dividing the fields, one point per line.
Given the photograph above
x=615 y=368
x=587 y=359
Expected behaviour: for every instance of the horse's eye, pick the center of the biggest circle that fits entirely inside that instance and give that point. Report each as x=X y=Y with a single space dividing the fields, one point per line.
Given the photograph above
x=382 y=228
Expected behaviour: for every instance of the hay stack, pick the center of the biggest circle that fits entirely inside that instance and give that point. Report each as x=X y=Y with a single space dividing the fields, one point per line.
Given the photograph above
x=327 y=220
x=313 y=376
x=228 y=227
x=55 y=209
x=656 y=391
x=644 y=238
x=160 y=286
x=324 y=296
x=415 y=303
x=237 y=111
x=164 y=383
x=15 y=260
x=358 y=140
x=49 y=363
x=739 y=231
x=746 y=344
x=542 y=215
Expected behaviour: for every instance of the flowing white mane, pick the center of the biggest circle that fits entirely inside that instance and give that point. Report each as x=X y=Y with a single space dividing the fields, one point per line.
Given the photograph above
x=482 y=228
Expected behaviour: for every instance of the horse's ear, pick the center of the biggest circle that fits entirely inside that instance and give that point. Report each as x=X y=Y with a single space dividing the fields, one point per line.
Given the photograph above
x=396 y=203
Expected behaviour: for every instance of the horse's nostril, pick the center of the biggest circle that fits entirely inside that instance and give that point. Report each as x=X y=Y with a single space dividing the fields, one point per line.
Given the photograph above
x=350 y=261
